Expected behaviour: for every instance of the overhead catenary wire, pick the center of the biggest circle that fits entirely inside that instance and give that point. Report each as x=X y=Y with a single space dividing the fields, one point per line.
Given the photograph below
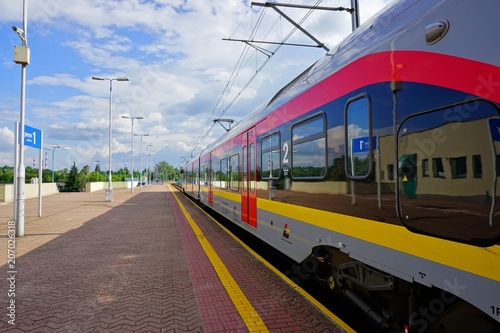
x=204 y=133
x=241 y=62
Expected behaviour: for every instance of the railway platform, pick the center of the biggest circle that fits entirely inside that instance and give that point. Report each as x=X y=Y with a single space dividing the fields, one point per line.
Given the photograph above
x=148 y=261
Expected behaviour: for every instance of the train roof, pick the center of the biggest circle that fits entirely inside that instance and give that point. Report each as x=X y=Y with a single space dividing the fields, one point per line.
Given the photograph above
x=324 y=67
x=396 y=27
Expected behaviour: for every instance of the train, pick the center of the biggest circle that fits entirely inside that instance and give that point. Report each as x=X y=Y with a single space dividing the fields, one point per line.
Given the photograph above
x=376 y=169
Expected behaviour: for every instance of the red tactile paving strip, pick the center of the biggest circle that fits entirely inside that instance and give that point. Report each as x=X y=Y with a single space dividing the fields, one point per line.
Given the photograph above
x=217 y=311
x=134 y=265
x=281 y=308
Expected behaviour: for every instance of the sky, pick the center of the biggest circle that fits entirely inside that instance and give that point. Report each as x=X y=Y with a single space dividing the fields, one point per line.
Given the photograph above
x=182 y=72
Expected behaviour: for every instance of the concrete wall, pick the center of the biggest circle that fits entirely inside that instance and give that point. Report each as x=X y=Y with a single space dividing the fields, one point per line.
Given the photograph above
x=30 y=191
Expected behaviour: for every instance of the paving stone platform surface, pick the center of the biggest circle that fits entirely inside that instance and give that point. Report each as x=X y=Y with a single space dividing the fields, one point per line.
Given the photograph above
x=134 y=265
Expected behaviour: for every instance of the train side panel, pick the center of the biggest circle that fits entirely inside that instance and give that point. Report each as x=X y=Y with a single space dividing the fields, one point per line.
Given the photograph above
x=377 y=169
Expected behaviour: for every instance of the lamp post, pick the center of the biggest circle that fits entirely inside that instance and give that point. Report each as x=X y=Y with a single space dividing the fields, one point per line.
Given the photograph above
x=109 y=190
x=132 y=152
x=140 y=171
x=22 y=57
x=54 y=147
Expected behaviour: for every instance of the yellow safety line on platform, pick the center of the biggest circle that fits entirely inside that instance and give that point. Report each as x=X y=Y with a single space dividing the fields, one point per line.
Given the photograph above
x=247 y=312
x=296 y=287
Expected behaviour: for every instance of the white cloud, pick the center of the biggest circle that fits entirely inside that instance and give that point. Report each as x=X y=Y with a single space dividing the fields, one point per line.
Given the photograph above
x=174 y=55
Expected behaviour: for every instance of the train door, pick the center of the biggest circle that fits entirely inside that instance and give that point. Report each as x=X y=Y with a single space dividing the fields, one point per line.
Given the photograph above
x=210 y=180
x=249 y=178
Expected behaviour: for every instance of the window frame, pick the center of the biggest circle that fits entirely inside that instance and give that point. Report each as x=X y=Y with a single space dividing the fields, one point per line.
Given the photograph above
x=270 y=150
x=348 y=144
x=306 y=139
x=232 y=172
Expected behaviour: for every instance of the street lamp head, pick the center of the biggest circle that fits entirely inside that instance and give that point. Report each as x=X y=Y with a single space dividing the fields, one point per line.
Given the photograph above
x=100 y=78
x=56 y=146
x=130 y=117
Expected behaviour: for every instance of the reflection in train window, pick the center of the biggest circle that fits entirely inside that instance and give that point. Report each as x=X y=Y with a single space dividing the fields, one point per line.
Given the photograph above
x=425 y=167
x=196 y=178
x=271 y=161
x=251 y=161
x=477 y=166
x=234 y=172
x=460 y=202
x=390 y=172
x=437 y=168
x=359 y=141
x=222 y=175
x=458 y=167
x=203 y=175
x=309 y=149
x=244 y=168
x=497 y=165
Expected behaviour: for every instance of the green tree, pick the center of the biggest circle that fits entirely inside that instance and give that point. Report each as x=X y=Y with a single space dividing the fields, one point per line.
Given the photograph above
x=47 y=176
x=30 y=173
x=73 y=183
x=165 y=171
x=83 y=176
x=7 y=174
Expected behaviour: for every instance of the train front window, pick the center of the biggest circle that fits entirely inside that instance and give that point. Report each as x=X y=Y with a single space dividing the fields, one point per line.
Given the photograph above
x=458 y=198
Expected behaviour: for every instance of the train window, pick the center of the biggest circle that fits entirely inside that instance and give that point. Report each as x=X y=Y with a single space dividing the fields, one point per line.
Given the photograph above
x=271 y=161
x=196 y=175
x=234 y=172
x=359 y=143
x=251 y=161
x=309 y=148
x=244 y=168
x=203 y=175
x=460 y=143
x=222 y=174
x=215 y=163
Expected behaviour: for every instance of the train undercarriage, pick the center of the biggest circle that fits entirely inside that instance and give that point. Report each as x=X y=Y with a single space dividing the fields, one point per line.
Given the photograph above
x=393 y=304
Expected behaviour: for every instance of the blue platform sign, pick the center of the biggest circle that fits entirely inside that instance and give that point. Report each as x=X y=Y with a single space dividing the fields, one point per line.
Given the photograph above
x=32 y=137
x=362 y=145
x=495 y=129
